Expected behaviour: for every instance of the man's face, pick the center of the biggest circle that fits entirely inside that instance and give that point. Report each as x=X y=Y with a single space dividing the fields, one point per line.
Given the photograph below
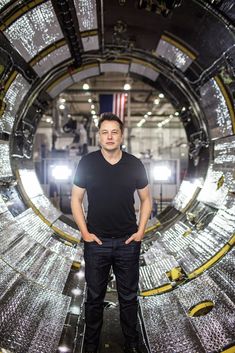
x=110 y=135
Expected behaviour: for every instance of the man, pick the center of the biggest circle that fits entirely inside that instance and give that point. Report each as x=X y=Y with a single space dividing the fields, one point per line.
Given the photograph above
x=111 y=235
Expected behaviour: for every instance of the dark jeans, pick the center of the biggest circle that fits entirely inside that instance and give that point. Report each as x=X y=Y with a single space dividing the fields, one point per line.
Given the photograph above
x=124 y=259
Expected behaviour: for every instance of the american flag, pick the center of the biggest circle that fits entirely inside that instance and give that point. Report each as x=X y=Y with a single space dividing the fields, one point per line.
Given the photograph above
x=114 y=103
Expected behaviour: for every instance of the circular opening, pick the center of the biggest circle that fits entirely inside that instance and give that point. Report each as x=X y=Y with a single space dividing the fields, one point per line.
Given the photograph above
x=201 y=309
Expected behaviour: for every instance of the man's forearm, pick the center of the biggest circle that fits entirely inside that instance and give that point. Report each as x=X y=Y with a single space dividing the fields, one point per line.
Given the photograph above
x=79 y=217
x=145 y=211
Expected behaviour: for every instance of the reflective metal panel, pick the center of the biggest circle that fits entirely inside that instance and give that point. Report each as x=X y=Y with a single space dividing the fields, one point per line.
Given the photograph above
x=113 y=67
x=86 y=13
x=3 y=3
x=30 y=182
x=216 y=110
x=82 y=75
x=173 y=54
x=67 y=229
x=5 y=164
x=185 y=194
x=34 y=31
x=144 y=71
x=214 y=190
x=60 y=86
x=3 y=207
x=31 y=318
x=48 y=62
x=90 y=43
x=46 y=208
x=13 y=98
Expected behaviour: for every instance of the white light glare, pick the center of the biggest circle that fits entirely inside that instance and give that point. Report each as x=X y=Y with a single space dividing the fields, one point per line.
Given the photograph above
x=161 y=173
x=63 y=349
x=127 y=87
x=156 y=101
x=85 y=86
x=89 y=100
x=149 y=113
x=61 y=172
x=61 y=106
x=92 y=106
x=76 y=291
x=93 y=112
x=62 y=100
x=161 y=95
x=177 y=113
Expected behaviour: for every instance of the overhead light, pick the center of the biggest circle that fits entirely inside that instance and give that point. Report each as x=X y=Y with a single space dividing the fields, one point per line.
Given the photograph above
x=156 y=101
x=93 y=112
x=89 y=100
x=61 y=106
x=159 y=124
x=127 y=87
x=61 y=172
x=141 y=122
x=92 y=106
x=48 y=120
x=149 y=113
x=177 y=113
x=161 y=95
x=62 y=100
x=85 y=86
x=183 y=109
x=146 y=116
x=94 y=116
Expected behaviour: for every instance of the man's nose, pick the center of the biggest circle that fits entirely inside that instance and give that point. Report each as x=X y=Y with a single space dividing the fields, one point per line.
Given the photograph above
x=110 y=135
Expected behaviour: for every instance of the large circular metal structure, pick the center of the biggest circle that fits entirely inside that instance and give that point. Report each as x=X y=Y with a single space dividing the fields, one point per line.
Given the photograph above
x=186 y=49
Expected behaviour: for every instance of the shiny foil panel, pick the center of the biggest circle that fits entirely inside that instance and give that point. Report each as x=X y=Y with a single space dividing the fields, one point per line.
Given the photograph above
x=67 y=229
x=185 y=194
x=46 y=208
x=5 y=164
x=51 y=60
x=113 y=67
x=174 y=55
x=213 y=193
x=86 y=13
x=82 y=75
x=13 y=98
x=216 y=110
x=34 y=31
x=3 y=207
x=169 y=328
x=43 y=234
x=34 y=314
x=59 y=87
x=144 y=71
x=224 y=153
x=224 y=157
x=90 y=43
x=30 y=182
x=3 y=3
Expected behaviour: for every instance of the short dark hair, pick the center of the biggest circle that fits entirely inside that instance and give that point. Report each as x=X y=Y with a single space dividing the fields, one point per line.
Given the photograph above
x=110 y=117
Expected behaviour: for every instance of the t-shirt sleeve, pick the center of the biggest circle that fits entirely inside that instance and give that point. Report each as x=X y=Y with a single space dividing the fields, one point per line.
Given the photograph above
x=80 y=174
x=141 y=176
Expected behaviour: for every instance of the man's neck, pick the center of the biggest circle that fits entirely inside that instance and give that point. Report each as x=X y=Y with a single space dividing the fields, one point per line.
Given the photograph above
x=112 y=155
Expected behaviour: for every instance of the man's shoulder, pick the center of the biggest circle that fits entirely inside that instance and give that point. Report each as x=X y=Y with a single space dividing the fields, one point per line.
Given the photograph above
x=91 y=156
x=132 y=158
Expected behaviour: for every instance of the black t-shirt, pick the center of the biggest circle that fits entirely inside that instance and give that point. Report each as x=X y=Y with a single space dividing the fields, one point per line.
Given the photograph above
x=110 y=190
